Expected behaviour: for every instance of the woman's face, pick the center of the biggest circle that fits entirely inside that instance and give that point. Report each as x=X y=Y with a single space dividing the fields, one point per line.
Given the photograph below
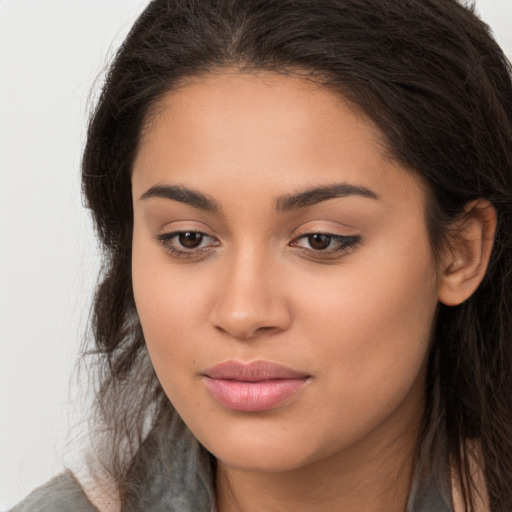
x=282 y=272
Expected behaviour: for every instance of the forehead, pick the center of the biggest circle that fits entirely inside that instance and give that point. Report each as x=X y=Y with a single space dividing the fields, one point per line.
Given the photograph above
x=258 y=103
x=261 y=130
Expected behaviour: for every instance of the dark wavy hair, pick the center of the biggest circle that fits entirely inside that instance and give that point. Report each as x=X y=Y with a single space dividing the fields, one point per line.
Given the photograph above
x=430 y=76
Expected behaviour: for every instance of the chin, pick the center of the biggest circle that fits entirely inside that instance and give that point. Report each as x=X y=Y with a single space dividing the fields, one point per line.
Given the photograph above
x=255 y=460
x=264 y=452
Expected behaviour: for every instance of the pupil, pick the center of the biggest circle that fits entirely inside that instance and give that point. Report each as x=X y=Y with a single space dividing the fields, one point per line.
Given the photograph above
x=319 y=242
x=190 y=239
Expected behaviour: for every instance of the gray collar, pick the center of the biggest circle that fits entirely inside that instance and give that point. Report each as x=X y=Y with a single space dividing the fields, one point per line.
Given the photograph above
x=177 y=473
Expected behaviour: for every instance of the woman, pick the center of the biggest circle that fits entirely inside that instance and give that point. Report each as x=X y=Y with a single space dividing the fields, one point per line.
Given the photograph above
x=305 y=209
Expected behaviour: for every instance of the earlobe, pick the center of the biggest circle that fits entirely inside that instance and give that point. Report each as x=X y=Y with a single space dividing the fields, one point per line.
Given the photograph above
x=467 y=256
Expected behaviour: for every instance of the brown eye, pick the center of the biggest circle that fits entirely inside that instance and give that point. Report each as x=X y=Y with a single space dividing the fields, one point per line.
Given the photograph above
x=190 y=239
x=319 y=242
x=193 y=245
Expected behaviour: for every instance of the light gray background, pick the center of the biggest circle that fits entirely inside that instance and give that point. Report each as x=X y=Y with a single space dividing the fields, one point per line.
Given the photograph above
x=51 y=52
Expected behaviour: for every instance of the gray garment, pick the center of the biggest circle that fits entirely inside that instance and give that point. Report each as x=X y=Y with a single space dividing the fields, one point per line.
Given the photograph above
x=62 y=494
x=179 y=479
x=430 y=499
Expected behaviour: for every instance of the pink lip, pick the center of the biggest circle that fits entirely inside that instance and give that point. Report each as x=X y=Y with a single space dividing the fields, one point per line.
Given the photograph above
x=252 y=387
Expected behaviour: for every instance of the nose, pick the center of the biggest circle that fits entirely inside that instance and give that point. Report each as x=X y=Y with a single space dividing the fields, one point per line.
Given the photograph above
x=251 y=299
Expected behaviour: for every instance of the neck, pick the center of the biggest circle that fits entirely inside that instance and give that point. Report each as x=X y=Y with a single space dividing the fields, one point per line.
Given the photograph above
x=355 y=480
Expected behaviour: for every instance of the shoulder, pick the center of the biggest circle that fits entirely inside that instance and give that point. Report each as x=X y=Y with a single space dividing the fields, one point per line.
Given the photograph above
x=61 y=494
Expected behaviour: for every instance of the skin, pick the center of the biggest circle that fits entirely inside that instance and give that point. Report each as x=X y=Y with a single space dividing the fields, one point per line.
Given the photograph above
x=358 y=322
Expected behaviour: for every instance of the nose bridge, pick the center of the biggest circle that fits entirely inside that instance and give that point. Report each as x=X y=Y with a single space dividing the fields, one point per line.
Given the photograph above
x=250 y=299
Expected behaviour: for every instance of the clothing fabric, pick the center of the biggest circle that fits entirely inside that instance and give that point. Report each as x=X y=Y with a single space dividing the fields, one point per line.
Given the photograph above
x=62 y=494
x=178 y=479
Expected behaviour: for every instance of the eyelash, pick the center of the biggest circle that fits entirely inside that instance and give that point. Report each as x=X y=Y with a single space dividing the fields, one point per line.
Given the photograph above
x=343 y=244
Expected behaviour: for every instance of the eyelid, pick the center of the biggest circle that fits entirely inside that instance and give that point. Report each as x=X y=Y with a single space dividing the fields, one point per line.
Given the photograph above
x=327 y=223
x=325 y=228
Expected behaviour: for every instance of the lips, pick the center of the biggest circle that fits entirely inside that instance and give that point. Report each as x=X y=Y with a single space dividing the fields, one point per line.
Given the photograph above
x=253 y=387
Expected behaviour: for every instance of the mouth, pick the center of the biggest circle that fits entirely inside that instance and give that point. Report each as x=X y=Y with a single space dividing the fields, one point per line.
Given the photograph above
x=253 y=387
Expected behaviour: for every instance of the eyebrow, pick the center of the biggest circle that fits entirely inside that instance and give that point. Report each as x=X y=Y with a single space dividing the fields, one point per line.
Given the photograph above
x=183 y=195
x=285 y=203
x=316 y=195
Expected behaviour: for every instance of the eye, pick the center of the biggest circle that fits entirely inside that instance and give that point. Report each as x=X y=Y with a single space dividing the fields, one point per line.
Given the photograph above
x=187 y=244
x=190 y=239
x=326 y=244
x=319 y=241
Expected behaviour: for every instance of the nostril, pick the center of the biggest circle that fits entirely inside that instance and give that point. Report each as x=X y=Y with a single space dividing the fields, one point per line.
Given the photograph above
x=247 y=333
x=268 y=330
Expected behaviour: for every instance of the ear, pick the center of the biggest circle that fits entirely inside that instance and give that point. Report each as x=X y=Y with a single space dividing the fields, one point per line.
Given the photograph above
x=465 y=260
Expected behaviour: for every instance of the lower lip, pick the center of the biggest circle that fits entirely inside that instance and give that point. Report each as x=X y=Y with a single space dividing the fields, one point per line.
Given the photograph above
x=253 y=396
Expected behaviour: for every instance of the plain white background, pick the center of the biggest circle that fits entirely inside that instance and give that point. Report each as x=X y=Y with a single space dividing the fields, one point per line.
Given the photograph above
x=51 y=53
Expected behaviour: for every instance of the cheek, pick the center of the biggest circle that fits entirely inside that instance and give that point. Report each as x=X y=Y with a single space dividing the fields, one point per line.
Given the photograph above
x=170 y=307
x=169 y=321
x=374 y=326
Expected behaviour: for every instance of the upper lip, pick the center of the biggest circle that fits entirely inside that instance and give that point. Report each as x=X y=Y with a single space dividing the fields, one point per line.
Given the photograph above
x=254 y=371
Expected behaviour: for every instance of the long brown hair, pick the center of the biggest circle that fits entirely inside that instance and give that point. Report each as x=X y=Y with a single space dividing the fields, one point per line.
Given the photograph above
x=430 y=76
